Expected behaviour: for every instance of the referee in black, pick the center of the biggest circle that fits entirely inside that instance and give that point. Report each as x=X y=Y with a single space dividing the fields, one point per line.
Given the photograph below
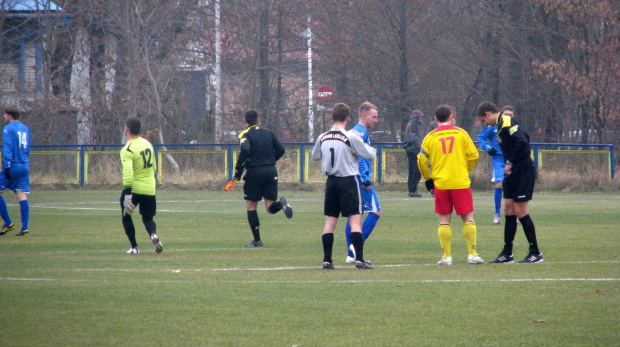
x=519 y=179
x=339 y=150
x=260 y=149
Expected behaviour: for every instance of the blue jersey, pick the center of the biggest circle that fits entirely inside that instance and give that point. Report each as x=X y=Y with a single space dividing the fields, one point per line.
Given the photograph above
x=365 y=165
x=15 y=144
x=487 y=139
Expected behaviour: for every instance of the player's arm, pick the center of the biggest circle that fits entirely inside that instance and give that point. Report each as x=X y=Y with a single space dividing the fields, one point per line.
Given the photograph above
x=316 y=151
x=484 y=140
x=423 y=160
x=361 y=149
x=471 y=152
x=127 y=164
x=521 y=150
x=243 y=159
x=277 y=146
x=7 y=149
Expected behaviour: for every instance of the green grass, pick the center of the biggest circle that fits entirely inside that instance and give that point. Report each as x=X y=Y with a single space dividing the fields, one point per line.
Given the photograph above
x=71 y=284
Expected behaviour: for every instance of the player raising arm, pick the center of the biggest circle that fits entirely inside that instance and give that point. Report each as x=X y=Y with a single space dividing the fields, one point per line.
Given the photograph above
x=338 y=151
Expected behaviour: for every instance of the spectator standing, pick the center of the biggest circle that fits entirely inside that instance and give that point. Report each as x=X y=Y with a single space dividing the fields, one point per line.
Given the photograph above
x=413 y=140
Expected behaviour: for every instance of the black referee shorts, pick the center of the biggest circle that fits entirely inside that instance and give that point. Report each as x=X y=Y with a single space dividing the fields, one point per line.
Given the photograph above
x=261 y=182
x=519 y=185
x=342 y=196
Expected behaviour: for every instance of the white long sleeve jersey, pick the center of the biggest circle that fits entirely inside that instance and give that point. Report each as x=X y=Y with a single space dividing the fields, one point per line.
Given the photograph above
x=339 y=150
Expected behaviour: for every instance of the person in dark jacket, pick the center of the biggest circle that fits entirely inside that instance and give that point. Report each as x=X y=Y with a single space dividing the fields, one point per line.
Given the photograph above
x=413 y=140
x=260 y=149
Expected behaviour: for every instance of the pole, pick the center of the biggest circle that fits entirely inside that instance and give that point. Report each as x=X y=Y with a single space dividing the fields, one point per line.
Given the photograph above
x=310 y=106
x=218 y=77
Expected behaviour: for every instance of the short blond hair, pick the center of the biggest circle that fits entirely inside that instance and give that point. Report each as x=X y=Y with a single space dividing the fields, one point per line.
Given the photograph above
x=366 y=106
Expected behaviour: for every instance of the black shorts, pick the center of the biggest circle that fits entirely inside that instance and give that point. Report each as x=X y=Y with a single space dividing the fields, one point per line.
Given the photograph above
x=261 y=182
x=342 y=196
x=147 y=204
x=519 y=185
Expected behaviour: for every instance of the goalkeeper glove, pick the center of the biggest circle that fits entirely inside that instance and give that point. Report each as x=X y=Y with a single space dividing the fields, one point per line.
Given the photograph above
x=230 y=184
x=7 y=174
x=129 y=206
x=237 y=176
x=429 y=184
x=367 y=183
x=492 y=151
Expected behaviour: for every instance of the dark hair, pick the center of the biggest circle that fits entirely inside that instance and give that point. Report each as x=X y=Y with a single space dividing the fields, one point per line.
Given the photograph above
x=486 y=106
x=134 y=125
x=340 y=112
x=13 y=111
x=508 y=108
x=251 y=117
x=442 y=112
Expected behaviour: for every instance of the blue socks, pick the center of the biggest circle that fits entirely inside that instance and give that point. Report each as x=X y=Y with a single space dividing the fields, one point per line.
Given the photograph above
x=24 y=208
x=367 y=227
x=498 y=199
x=4 y=212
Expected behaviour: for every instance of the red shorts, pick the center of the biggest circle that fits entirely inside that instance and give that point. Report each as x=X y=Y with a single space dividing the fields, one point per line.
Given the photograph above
x=461 y=199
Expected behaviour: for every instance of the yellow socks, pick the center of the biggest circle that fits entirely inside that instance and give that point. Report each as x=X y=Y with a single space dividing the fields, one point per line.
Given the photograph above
x=445 y=239
x=469 y=232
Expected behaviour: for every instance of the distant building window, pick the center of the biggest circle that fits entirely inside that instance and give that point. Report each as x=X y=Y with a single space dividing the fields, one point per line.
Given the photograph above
x=9 y=51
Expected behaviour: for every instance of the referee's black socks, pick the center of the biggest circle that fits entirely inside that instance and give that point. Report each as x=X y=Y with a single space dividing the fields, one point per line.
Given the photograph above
x=530 y=233
x=510 y=230
x=254 y=224
x=328 y=245
x=275 y=207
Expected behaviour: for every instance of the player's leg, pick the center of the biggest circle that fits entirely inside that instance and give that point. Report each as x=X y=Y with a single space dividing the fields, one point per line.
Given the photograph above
x=24 y=209
x=327 y=239
x=129 y=227
x=254 y=223
x=148 y=209
x=271 y=194
x=4 y=212
x=373 y=207
x=526 y=192
x=498 y=177
x=443 y=207
x=464 y=207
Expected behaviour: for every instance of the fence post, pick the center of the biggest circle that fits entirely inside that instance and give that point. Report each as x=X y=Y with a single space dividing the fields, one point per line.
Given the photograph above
x=82 y=155
x=611 y=160
x=230 y=156
x=379 y=163
x=536 y=156
x=302 y=163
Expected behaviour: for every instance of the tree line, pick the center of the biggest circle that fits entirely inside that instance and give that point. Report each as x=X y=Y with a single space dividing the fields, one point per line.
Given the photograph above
x=555 y=61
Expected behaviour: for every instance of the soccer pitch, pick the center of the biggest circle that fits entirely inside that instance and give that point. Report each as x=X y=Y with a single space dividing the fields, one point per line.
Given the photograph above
x=70 y=283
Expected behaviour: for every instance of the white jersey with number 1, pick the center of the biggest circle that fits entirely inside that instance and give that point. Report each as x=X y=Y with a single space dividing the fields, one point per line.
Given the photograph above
x=339 y=150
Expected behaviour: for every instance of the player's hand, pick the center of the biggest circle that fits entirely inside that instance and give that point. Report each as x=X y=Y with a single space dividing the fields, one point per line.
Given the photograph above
x=129 y=206
x=7 y=174
x=429 y=184
x=492 y=151
x=367 y=184
x=237 y=176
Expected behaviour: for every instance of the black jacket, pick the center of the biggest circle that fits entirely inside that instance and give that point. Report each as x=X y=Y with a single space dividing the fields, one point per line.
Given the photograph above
x=259 y=147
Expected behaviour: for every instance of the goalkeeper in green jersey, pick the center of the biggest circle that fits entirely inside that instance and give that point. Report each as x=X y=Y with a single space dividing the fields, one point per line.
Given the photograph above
x=138 y=160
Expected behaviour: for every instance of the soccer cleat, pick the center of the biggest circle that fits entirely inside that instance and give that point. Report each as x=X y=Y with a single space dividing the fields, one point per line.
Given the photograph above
x=133 y=250
x=503 y=259
x=328 y=266
x=496 y=219
x=6 y=229
x=254 y=244
x=350 y=260
x=363 y=265
x=157 y=244
x=288 y=210
x=532 y=258
x=445 y=261
x=23 y=233
x=475 y=260
x=415 y=195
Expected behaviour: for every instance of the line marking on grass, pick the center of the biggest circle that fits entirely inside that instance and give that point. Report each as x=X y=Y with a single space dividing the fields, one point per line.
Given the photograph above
x=500 y=280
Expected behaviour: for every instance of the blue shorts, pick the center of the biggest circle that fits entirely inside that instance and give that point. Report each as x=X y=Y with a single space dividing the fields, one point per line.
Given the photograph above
x=20 y=178
x=498 y=168
x=370 y=201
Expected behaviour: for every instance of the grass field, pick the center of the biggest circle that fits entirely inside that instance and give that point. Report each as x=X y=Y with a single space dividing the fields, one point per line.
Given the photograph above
x=71 y=284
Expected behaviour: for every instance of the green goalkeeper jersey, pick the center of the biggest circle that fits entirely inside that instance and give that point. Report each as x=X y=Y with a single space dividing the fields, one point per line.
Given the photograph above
x=137 y=157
